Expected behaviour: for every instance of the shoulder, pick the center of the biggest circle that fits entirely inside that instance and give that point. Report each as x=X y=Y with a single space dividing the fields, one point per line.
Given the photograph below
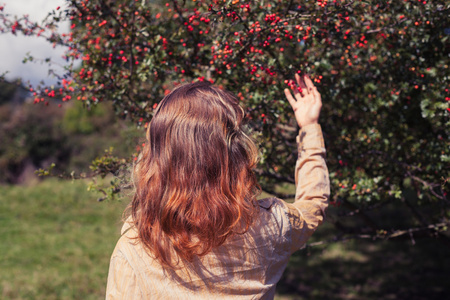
x=127 y=225
x=287 y=222
x=128 y=246
x=274 y=205
x=285 y=214
x=282 y=207
x=275 y=211
x=122 y=278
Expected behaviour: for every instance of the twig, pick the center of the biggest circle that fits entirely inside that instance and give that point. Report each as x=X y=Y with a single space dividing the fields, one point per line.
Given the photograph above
x=382 y=235
x=360 y=209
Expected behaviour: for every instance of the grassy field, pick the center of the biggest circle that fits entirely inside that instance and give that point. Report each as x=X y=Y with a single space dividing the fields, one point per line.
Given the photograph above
x=56 y=241
x=366 y=270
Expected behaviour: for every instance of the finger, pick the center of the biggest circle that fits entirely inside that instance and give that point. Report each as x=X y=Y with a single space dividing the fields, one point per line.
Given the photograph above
x=316 y=95
x=313 y=89
x=298 y=93
x=300 y=81
x=309 y=84
x=289 y=97
x=300 y=88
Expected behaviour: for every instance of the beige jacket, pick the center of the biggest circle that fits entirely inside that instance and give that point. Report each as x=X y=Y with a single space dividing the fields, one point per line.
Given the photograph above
x=246 y=266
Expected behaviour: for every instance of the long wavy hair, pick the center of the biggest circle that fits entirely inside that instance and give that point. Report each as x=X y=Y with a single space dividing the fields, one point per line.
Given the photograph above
x=194 y=181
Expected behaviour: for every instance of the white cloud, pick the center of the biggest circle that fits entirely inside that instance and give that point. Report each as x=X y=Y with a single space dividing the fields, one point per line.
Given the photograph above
x=13 y=49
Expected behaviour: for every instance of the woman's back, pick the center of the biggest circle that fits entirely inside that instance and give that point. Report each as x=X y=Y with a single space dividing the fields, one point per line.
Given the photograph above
x=246 y=266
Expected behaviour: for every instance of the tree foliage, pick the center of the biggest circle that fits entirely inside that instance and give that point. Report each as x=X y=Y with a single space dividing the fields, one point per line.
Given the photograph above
x=381 y=67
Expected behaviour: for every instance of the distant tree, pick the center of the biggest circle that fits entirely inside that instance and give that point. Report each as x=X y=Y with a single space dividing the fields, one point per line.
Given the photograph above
x=7 y=91
x=381 y=66
x=29 y=139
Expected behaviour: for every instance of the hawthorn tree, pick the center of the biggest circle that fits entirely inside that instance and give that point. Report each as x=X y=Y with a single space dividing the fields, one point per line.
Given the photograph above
x=381 y=67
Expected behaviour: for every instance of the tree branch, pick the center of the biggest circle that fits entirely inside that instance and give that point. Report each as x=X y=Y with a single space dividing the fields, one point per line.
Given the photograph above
x=383 y=235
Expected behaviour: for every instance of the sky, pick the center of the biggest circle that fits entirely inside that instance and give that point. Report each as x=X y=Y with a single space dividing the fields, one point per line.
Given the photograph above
x=13 y=49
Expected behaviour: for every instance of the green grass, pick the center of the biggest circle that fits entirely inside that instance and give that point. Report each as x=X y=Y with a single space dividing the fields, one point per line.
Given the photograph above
x=56 y=241
x=366 y=270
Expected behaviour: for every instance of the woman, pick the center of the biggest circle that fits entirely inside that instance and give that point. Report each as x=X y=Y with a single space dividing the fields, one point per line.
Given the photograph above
x=196 y=230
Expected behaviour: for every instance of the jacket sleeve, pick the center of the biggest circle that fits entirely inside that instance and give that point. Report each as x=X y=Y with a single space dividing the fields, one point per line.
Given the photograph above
x=122 y=283
x=312 y=186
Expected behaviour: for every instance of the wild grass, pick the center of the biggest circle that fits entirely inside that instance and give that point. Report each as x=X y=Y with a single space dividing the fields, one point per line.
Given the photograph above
x=56 y=241
x=411 y=268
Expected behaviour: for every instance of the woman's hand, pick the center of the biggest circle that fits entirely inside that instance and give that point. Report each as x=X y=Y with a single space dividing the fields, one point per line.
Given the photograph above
x=307 y=102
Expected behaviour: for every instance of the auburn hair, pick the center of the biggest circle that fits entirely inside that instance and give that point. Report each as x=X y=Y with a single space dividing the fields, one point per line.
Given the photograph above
x=194 y=181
